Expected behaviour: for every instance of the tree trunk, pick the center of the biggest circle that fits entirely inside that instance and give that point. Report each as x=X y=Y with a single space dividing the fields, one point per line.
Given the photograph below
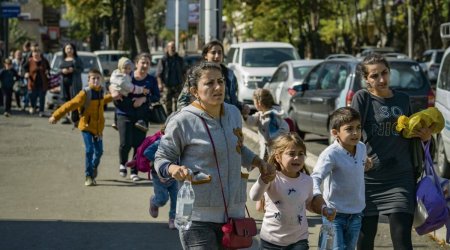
x=127 y=41
x=139 y=25
x=95 y=34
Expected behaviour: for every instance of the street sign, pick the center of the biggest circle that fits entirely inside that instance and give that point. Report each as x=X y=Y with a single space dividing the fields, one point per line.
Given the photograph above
x=10 y=10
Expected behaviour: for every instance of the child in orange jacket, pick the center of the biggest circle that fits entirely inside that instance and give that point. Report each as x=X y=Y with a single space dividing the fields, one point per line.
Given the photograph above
x=92 y=121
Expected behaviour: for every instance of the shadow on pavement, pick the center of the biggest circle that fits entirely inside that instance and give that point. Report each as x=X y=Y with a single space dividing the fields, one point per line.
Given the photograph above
x=86 y=235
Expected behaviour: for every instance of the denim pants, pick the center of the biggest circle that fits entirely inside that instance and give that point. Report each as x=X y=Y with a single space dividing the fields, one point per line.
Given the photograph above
x=94 y=150
x=163 y=191
x=346 y=231
x=202 y=236
x=299 y=245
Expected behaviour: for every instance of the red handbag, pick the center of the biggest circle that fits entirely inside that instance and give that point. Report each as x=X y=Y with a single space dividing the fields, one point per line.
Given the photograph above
x=237 y=232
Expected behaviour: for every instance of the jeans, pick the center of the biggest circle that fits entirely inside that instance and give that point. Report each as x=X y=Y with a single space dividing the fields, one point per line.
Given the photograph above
x=164 y=190
x=202 y=236
x=299 y=245
x=346 y=230
x=94 y=151
x=34 y=94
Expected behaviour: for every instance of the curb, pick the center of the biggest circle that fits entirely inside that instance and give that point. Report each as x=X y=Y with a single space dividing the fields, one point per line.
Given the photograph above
x=310 y=161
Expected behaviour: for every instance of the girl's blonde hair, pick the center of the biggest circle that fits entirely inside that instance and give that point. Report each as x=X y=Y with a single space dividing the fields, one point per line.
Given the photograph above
x=123 y=62
x=281 y=143
x=264 y=97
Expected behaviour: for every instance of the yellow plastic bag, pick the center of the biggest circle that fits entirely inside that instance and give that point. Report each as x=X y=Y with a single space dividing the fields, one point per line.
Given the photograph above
x=423 y=119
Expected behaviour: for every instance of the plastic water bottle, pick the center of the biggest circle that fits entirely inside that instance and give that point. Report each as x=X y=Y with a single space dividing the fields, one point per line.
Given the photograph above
x=185 y=203
x=327 y=230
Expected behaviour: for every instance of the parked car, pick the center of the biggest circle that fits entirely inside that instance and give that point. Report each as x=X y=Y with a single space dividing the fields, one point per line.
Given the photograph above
x=430 y=63
x=254 y=63
x=443 y=104
x=110 y=58
x=396 y=55
x=90 y=60
x=333 y=56
x=288 y=75
x=332 y=84
x=192 y=59
x=383 y=50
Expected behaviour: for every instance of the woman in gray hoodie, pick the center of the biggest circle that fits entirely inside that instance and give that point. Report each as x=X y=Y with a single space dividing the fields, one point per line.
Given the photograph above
x=187 y=145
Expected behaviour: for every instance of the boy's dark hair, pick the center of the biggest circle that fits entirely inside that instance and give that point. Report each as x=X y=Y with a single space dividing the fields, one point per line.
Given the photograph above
x=94 y=71
x=342 y=116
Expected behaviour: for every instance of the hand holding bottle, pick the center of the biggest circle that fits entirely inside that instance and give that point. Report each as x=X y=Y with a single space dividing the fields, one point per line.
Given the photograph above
x=179 y=173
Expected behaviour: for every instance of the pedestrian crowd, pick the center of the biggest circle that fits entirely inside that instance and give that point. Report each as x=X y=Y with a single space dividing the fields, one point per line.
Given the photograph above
x=202 y=140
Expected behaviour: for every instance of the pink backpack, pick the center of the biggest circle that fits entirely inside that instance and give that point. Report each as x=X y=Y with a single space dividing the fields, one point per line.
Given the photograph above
x=140 y=161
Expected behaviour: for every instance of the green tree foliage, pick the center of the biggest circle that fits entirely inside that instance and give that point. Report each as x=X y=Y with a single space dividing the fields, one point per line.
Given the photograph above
x=319 y=27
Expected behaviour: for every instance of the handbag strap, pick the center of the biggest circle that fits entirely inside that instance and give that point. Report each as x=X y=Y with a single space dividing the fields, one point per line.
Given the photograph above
x=429 y=169
x=217 y=165
x=218 y=171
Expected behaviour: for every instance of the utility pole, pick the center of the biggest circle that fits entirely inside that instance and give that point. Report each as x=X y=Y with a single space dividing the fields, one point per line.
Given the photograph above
x=410 y=30
x=177 y=23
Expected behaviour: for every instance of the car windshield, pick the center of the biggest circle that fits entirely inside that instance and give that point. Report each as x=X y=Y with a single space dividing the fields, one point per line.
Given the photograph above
x=89 y=62
x=267 y=57
x=301 y=71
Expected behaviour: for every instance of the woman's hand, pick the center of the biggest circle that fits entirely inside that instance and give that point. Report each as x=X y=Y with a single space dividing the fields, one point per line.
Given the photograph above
x=424 y=133
x=179 y=173
x=368 y=164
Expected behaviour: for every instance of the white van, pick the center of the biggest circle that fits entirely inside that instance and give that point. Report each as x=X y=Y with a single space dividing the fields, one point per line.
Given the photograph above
x=254 y=63
x=443 y=104
x=110 y=58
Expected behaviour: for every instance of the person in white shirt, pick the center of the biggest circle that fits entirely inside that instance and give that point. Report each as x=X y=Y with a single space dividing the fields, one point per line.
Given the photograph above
x=286 y=195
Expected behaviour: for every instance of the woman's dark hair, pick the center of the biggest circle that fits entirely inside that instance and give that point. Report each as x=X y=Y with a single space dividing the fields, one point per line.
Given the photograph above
x=73 y=48
x=371 y=59
x=196 y=72
x=209 y=45
x=143 y=55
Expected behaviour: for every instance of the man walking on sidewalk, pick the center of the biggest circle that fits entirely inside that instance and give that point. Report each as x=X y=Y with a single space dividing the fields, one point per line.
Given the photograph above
x=170 y=73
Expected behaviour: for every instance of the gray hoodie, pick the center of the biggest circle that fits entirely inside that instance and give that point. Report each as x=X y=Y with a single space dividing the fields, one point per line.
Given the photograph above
x=187 y=143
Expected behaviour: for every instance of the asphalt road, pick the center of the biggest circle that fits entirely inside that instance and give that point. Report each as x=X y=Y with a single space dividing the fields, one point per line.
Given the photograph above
x=45 y=205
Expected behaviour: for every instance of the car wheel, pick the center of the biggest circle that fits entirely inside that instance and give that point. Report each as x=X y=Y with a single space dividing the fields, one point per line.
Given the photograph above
x=442 y=167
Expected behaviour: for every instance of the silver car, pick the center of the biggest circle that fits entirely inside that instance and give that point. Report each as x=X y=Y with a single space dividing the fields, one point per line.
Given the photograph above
x=288 y=75
x=430 y=63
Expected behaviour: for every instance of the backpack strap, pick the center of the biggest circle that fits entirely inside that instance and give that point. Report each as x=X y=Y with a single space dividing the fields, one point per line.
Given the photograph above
x=88 y=92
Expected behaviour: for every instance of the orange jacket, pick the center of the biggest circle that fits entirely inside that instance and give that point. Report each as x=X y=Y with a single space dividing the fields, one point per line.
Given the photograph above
x=92 y=119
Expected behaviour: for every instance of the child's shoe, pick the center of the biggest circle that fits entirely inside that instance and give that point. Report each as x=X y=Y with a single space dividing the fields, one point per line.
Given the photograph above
x=122 y=171
x=114 y=126
x=153 y=210
x=141 y=125
x=172 y=224
x=135 y=177
x=89 y=181
x=6 y=114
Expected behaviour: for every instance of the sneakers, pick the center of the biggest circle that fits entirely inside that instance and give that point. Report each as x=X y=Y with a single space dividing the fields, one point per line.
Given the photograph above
x=114 y=126
x=89 y=181
x=153 y=210
x=94 y=175
x=172 y=224
x=6 y=114
x=123 y=171
x=135 y=177
x=31 y=111
x=141 y=125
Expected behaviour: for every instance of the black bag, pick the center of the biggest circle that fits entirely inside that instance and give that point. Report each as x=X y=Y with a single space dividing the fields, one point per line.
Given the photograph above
x=157 y=113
